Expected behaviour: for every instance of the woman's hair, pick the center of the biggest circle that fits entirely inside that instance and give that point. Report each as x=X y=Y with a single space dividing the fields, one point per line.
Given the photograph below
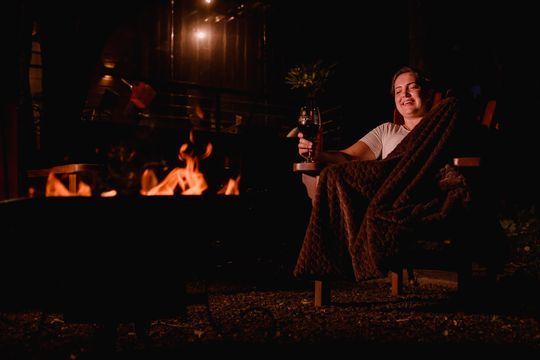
x=421 y=78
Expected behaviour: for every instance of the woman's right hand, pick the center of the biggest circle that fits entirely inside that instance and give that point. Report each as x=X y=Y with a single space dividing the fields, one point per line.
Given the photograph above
x=303 y=145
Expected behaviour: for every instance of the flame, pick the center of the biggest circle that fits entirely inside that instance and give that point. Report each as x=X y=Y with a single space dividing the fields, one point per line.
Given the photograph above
x=110 y=193
x=55 y=187
x=199 y=112
x=231 y=188
x=189 y=179
x=149 y=181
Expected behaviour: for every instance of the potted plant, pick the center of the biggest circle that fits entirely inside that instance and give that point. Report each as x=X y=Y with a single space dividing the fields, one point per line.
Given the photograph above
x=310 y=78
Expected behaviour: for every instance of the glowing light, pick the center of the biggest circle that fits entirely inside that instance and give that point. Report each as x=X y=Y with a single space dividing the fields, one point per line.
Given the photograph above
x=200 y=34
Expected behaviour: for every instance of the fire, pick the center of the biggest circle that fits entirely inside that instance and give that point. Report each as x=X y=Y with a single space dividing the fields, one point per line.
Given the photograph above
x=189 y=179
x=55 y=187
x=110 y=193
x=231 y=188
x=190 y=183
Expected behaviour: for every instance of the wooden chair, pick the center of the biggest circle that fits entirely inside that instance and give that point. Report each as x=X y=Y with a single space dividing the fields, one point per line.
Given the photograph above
x=462 y=263
x=400 y=275
x=459 y=260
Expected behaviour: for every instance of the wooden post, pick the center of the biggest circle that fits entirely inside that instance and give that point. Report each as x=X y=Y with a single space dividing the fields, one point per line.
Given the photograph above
x=396 y=278
x=72 y=185
x=322 y=293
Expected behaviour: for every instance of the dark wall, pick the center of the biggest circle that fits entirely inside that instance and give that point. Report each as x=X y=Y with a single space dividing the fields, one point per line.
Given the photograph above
x=481 y=50
x=460 y=44
x=363 y=44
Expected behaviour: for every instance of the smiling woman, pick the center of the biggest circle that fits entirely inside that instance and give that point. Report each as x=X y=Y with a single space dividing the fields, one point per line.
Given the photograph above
x=412 y=94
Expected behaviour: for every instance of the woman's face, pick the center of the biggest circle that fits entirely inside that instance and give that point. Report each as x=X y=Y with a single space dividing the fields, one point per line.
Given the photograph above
x=408 y=96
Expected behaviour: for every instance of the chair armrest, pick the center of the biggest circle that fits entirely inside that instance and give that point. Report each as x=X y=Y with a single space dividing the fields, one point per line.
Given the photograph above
x=467 y=161
x=310 y=168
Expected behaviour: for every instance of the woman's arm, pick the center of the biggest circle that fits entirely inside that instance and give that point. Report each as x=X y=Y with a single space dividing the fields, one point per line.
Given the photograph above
x=357 y=151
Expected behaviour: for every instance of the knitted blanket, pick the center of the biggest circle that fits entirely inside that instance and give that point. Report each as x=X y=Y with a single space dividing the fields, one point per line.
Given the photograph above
x=366 y=213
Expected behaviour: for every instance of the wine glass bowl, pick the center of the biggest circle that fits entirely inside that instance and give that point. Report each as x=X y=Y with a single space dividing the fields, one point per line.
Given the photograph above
x=309 y=124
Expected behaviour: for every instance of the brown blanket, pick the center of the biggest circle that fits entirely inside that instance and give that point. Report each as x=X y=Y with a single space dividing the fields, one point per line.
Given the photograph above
x=366 y=212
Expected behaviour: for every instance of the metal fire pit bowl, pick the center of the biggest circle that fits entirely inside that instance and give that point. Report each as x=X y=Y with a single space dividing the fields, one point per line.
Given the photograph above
x=121 y=258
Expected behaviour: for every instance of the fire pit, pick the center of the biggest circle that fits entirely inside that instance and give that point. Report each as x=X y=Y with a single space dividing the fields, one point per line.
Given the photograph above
x=129 y=257
x=121 y=257
x=126 y=256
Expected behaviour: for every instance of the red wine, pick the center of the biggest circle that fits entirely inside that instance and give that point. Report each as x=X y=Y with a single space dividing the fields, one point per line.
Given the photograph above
x=309 y=130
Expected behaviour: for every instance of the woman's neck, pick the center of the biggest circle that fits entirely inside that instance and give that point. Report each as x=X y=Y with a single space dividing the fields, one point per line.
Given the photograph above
x=410 y=123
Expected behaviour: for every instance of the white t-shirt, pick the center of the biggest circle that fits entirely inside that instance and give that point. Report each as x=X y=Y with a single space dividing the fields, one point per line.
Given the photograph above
x=384 y=138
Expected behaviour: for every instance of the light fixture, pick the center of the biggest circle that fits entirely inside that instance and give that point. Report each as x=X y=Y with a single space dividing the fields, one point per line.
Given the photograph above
x=200 y=34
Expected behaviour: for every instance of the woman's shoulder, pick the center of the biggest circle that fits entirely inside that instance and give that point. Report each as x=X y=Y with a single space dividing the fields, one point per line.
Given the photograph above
x=388 y=130
x=389 y=127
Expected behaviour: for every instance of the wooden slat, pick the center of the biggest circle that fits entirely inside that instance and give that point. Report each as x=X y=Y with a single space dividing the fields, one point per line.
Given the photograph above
x=467 y=161
x=489 y=111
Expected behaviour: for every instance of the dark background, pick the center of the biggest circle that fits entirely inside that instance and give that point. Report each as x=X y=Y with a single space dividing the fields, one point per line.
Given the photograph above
x=461 y=45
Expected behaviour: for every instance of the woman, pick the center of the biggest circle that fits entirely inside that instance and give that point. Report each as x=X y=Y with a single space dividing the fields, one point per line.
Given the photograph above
x=412 y=94
x=368 y=215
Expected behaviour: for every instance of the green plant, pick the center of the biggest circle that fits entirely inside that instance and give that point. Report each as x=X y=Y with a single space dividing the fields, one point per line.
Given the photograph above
x=310 y=77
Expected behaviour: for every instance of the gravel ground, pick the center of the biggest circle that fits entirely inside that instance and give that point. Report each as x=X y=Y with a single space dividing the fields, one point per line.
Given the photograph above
x=261 y=316
x=241 y=316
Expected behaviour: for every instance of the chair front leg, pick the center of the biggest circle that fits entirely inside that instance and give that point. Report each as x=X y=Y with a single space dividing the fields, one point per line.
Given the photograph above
x=396 y=279
x=322 y=293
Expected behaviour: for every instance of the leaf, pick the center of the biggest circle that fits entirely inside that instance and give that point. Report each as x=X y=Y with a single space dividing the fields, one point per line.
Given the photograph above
x=310 y=77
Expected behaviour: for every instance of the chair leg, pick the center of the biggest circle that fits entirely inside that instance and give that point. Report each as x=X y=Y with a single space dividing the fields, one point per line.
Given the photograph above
x=322 y=293
x=396 y=278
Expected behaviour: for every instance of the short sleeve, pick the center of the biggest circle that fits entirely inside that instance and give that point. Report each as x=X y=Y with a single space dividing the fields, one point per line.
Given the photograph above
x=374 y=140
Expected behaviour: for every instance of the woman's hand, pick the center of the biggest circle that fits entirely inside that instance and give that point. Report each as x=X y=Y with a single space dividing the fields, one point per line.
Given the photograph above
x=303 y=145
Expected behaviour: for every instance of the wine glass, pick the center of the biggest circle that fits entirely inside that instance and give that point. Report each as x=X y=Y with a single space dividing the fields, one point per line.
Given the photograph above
x=309 y=124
